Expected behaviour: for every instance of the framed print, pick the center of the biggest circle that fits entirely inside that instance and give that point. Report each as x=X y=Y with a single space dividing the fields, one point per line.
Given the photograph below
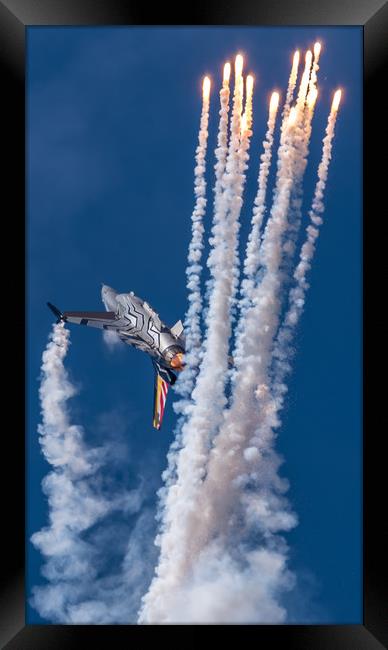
x=196 y=197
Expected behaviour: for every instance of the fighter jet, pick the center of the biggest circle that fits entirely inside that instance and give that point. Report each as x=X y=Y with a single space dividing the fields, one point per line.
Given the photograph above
x=137 y=324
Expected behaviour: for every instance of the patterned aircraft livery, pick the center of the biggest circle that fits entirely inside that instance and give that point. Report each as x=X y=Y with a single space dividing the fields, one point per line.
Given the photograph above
x=138 y=325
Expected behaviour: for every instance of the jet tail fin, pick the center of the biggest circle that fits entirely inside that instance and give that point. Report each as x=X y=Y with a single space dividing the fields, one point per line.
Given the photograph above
x=163 y=379
x=160 y=396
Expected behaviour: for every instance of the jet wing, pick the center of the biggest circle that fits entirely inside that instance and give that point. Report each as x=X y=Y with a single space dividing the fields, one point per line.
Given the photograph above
x=101 y=319
x=160 y=396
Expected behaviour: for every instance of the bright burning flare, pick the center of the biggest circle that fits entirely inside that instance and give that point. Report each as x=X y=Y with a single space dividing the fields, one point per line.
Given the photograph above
x=295 y=61
x=292 y=116
x=317 y=49
x=274 y=103
x=308 y=57
x=243 y=123
x=336 y=100
x=249 y=84
x=206 y=89
x=312 y=97
x=238 y=66
x=226 y=72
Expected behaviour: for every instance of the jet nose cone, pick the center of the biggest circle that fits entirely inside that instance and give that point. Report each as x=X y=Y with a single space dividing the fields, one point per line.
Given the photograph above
x=107 y=289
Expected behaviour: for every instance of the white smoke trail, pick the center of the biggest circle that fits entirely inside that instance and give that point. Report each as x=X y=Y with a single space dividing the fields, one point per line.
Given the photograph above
x=282 y=349
x=111 y=339
x=180 y=407
x=221 y=154
x=304 y=85
x=209 y=399
x=291 y=86
x=315 y=66
x=303 y=129
x=83 y=506
x=194 y=268
x=252 y=259
x=193 y=348
x=225 y=589
x=221 y=151
x=186 y=378
x=246 y=133
x=252 y=253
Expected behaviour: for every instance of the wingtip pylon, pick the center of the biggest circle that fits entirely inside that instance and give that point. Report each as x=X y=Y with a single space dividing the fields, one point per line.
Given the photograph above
x=56 y=312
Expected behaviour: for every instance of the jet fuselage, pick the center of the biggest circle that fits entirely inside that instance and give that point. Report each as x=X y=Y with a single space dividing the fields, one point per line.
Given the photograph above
x=140 y=326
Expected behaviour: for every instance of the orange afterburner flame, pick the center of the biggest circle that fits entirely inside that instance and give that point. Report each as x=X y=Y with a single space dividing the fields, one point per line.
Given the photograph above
x=177 y=361
x=206 y=89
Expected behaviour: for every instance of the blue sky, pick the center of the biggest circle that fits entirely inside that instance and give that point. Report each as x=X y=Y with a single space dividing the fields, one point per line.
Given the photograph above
x=112 y=125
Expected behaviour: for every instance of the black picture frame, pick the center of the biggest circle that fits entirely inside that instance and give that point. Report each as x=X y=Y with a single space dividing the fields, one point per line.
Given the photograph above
x=15 y=17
